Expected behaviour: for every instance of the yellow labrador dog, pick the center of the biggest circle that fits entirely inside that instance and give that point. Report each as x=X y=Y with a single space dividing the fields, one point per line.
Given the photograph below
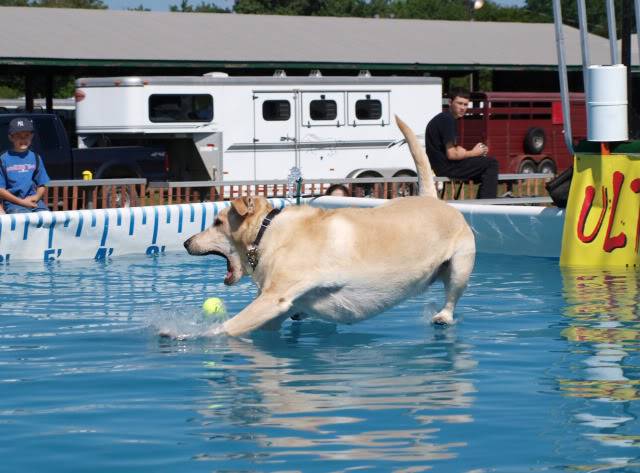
x=341 y=265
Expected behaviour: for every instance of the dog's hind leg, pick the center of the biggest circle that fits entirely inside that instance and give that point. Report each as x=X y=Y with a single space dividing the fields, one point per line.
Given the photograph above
x=455 y=275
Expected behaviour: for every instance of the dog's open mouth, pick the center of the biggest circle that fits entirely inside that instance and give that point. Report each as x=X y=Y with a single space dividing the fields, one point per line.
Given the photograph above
x=230 y=277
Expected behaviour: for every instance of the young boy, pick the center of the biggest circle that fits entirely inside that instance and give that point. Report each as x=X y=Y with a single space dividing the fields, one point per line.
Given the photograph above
x=22 y=174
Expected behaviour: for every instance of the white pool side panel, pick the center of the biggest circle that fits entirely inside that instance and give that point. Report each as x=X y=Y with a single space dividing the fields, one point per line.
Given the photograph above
x=103 y=234
x=515 y=230
x=499 y=229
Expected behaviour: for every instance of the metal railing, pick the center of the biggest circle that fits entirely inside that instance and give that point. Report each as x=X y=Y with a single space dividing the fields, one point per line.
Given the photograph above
x=113 y=193
x=517 y=185
x=96 y=194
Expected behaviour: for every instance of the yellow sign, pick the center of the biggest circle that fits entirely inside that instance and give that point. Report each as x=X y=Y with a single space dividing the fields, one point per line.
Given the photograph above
x=602 y=223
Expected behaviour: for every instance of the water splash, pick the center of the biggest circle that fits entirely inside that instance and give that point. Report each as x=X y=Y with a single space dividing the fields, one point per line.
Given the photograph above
x=184 y=325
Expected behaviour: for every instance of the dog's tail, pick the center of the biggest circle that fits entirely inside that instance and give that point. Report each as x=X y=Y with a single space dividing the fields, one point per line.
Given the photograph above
x=426 y=185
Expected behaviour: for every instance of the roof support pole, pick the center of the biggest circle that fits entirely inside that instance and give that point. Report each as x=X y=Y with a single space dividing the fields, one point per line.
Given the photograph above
x=475 y=80
x=613 y=36
x=626 y=59
x=49 y=92
x=28 y=91
x=584 y=42
x=562 y=75
x=637 y=2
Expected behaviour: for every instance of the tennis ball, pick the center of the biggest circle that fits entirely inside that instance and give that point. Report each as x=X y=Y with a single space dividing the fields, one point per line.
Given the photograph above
x=214 y=306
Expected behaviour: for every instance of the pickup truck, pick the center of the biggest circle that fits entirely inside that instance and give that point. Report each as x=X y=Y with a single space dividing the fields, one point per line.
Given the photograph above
x=63 y=162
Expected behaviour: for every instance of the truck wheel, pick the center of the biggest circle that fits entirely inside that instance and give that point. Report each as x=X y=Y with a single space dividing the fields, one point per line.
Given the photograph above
x=534 y=141
x=547 y=166
x=527 y=166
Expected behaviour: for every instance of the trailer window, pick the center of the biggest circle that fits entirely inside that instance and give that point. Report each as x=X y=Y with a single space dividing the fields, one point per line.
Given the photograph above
x=276 y=110
x=323 y=109
x=368 y=109
x=180 y=108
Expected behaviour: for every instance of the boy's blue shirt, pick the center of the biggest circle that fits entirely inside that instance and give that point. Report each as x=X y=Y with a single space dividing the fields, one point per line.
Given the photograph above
x=18 y=175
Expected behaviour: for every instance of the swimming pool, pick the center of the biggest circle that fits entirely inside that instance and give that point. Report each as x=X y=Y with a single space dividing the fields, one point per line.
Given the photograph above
x=540 y=374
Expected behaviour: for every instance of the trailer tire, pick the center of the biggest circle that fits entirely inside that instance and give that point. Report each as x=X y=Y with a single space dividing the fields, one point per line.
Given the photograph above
x=534 y=140
x=547 y=166
x=527 y=166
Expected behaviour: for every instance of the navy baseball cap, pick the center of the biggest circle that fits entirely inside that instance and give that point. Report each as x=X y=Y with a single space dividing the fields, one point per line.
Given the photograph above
x=20 y=124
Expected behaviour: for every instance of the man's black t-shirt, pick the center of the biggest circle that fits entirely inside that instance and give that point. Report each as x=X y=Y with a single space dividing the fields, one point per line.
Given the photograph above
x=440 y=131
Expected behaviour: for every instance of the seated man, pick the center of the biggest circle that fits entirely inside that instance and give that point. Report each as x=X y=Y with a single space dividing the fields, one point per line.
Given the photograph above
x=448 y=159
x=22 y=174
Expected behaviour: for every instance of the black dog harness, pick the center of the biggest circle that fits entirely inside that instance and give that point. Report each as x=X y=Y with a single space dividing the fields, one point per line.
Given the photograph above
x=252 y=253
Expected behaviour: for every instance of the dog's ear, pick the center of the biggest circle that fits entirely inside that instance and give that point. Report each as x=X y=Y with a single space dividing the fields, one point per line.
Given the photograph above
x=245 y=205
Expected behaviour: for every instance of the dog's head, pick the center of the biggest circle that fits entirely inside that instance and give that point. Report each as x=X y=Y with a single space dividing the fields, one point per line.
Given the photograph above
x=233 y=231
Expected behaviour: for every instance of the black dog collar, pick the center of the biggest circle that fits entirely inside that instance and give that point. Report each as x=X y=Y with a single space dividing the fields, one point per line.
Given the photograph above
x=252 y=253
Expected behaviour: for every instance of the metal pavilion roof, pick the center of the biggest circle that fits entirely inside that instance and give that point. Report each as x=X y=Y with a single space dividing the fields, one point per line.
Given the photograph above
x=43 y=36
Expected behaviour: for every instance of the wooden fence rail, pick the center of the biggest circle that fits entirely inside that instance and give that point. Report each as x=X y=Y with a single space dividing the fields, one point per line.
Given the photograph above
x=109 y=193
x=96 y=194
x=517 y=185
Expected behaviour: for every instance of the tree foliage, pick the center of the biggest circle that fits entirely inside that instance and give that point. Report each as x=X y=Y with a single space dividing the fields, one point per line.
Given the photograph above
x=93 y=4
x=596 y=13
x=140 y=7
x=203 y=7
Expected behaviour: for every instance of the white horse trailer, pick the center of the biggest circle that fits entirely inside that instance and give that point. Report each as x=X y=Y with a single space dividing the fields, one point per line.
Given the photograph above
x=217 y=127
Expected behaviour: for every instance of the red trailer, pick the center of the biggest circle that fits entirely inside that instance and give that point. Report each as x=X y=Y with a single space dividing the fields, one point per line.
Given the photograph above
x=524 y=130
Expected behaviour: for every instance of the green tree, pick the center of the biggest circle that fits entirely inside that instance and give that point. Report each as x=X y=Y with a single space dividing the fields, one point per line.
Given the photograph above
x=55 y=3
x=92 y=4
x=596 y=13
x=353 y=8
x=139 y=8
x=203 y=7
x=278 y=7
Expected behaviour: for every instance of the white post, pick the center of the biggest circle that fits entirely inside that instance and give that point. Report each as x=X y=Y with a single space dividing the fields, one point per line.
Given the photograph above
x=613 y=36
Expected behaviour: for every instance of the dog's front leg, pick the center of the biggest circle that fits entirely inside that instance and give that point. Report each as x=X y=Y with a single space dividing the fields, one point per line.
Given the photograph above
x=267 y=308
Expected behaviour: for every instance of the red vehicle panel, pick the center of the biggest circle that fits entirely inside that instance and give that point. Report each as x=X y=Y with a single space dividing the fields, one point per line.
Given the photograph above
x=524 y=130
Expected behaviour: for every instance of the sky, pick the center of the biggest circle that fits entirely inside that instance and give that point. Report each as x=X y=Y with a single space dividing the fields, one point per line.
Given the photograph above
x=163 y=5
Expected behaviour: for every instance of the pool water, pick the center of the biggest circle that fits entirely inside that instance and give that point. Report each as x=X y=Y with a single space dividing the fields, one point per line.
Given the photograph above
x=540 y=374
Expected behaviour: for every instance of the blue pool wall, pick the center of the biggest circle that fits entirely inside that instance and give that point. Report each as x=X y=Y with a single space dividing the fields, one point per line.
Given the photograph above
x=152 y=231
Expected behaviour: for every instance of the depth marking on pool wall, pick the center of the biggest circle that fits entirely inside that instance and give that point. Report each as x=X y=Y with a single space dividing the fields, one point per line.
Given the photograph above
x=155 y=226
x=51 y=229
x=71 y=235
x=80 y=222
x=132 y=220
x=105 y=231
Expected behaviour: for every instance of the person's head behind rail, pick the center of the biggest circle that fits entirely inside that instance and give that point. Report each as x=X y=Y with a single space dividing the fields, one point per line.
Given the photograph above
x=338 y=190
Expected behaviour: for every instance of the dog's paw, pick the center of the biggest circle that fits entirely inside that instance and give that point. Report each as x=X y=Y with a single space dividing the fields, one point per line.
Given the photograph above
x=442 y=319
